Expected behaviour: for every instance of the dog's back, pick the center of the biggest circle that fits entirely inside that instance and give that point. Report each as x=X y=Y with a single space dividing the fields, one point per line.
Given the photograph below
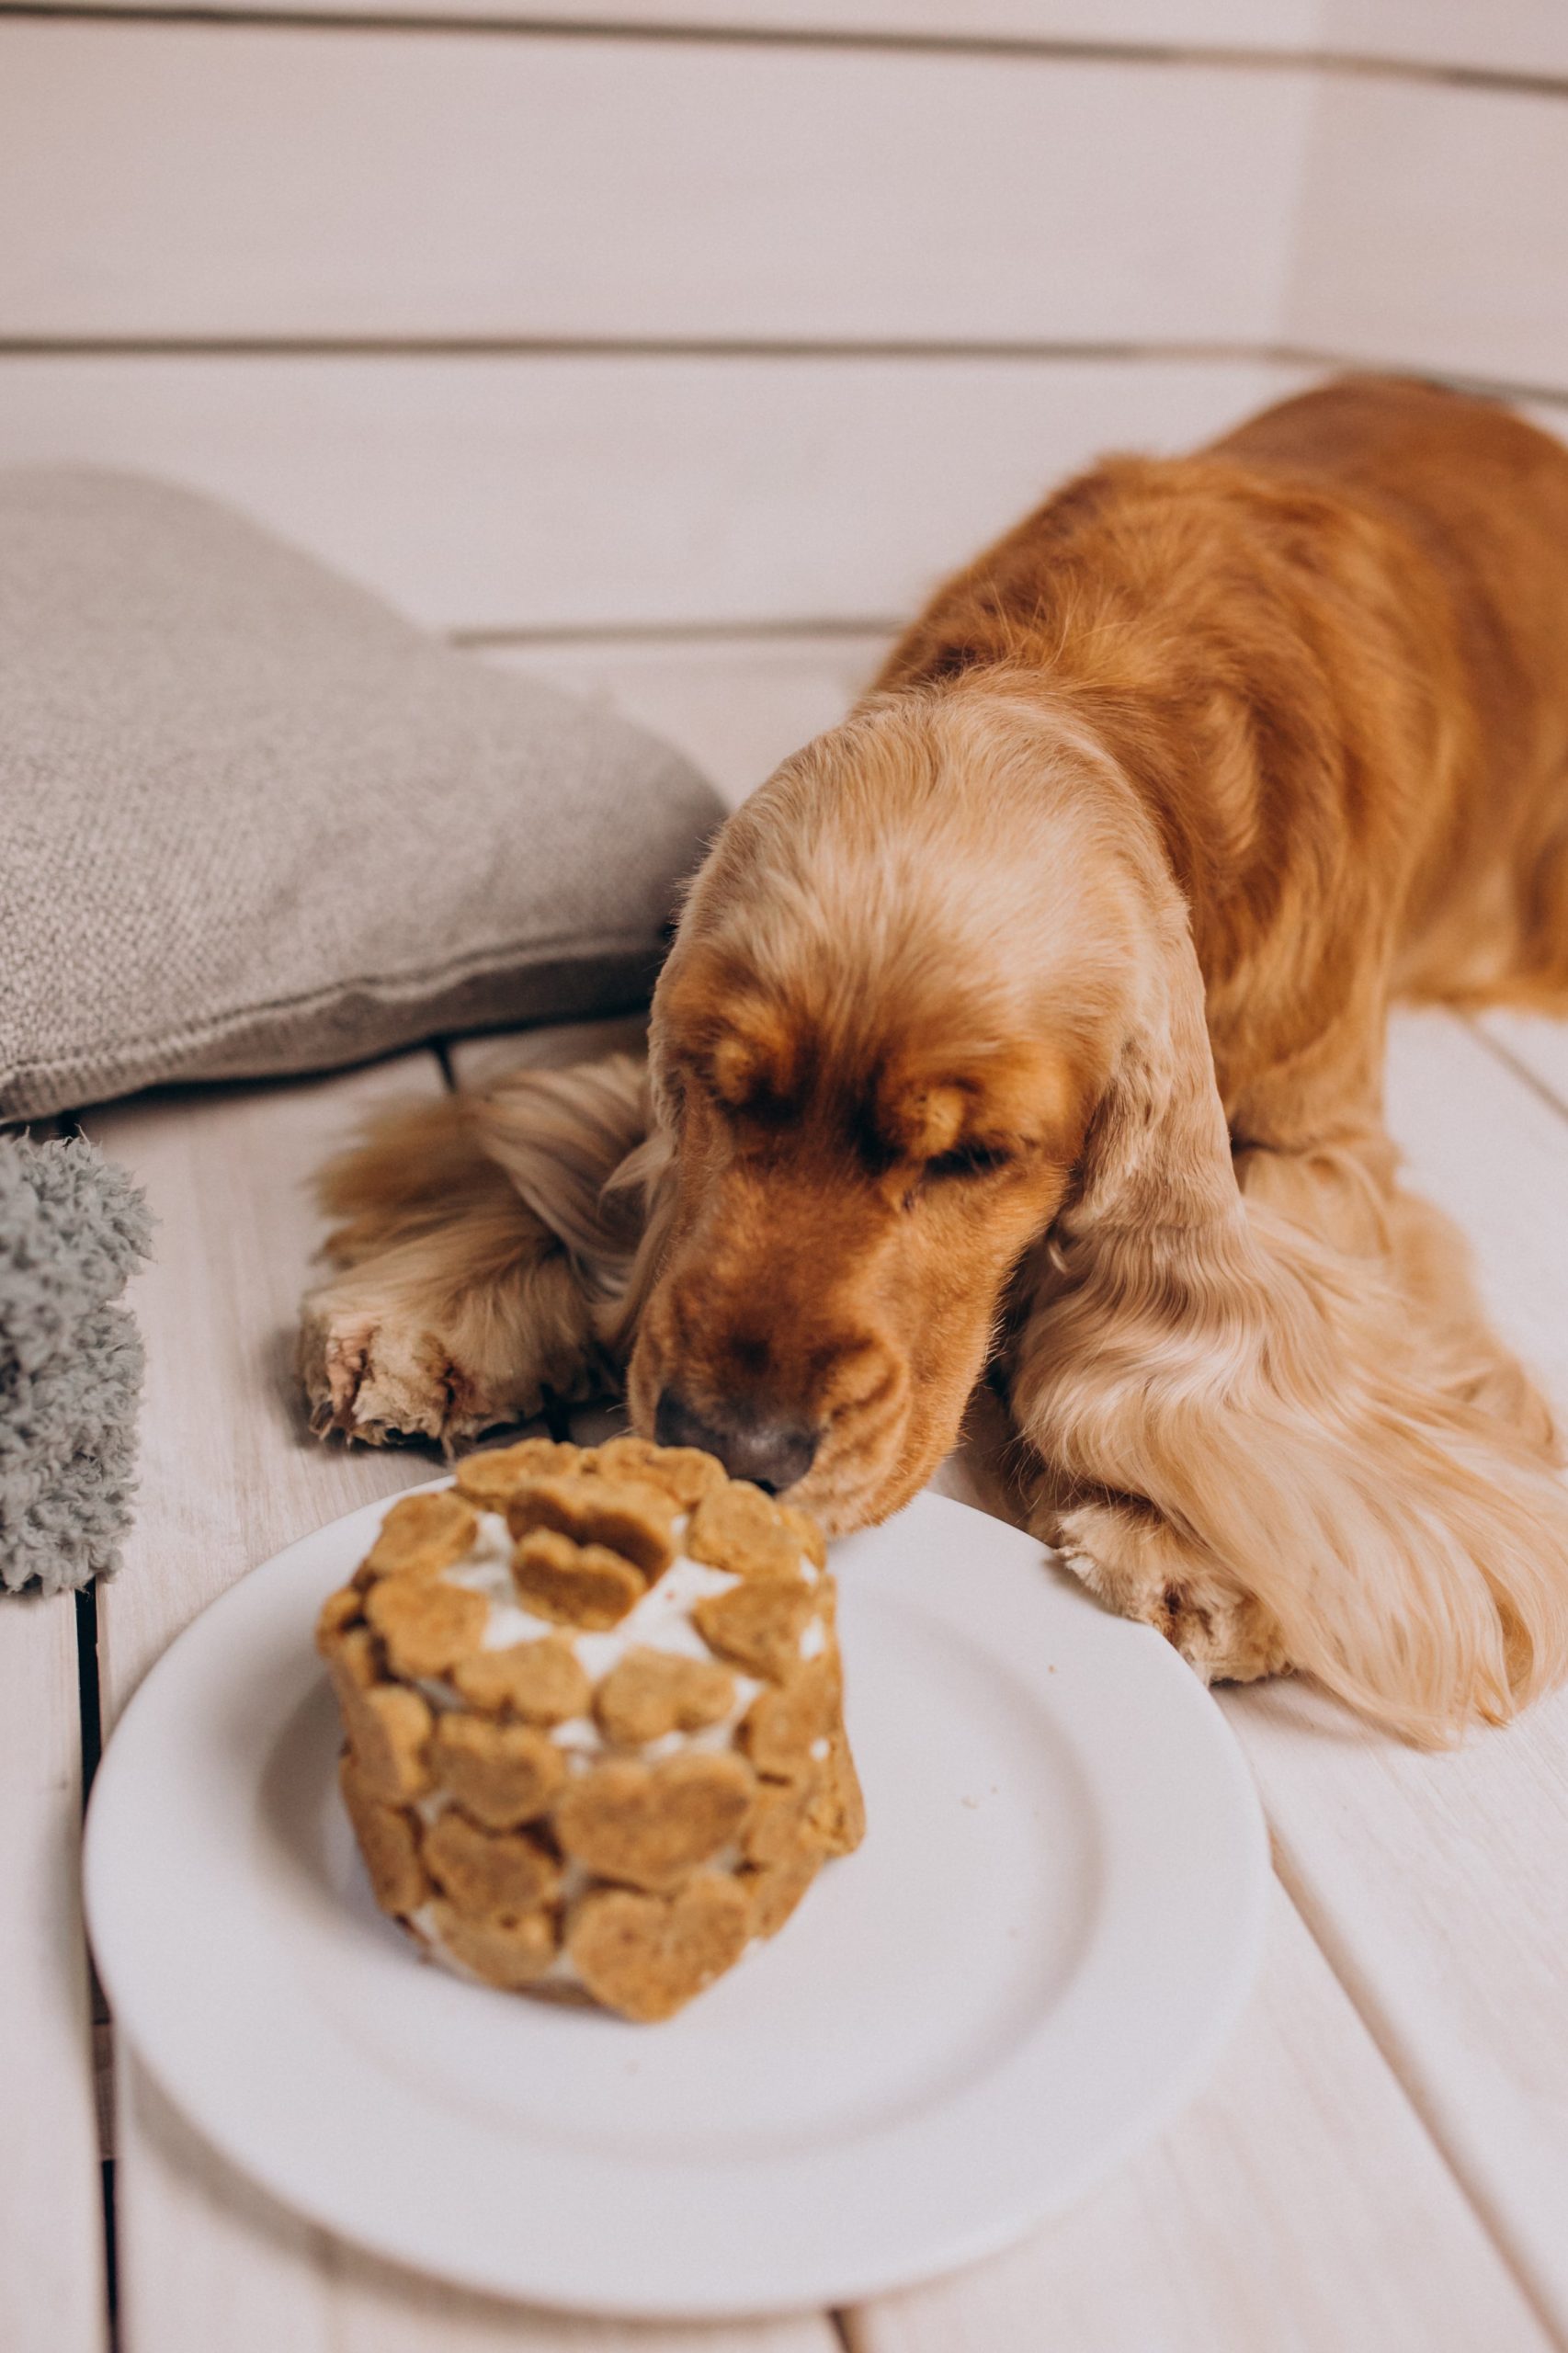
x=1345 y=623
x=1484 y=496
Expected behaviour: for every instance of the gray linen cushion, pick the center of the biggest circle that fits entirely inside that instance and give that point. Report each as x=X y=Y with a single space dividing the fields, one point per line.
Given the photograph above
x=251 y=820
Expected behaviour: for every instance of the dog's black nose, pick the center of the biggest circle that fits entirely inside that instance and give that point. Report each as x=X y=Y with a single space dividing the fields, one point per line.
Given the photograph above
x=750 y=1445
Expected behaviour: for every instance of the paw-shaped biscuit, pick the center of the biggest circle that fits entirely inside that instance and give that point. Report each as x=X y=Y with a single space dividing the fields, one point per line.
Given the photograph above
x=576 y=1584
x=840 y=1808
x=427 y=1624
x=813 y=1542
x=773 y=1890
x=647 y=1956
x=387 y=1839
x=757 y=1625
x=486 y=1872
x=784 y=1848
x=785 y=1722
x=651 y=1692
x=542 y=1681
x=509 y=1950
x=388 y=1732
x=627 y=1515
x=340 y=1614
x=420 y=1536
x=491 y=1479
x=739 y=1529
x=683 y=1471
x=652 y=1825
x=501 y=1773
x=783 y=1825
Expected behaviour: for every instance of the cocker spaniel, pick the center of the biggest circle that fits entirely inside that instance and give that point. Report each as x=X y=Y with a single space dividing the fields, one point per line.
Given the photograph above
x=1034 y=1019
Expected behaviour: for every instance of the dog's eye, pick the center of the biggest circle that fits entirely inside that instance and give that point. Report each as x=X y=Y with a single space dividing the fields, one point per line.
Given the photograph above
x=967 y=1160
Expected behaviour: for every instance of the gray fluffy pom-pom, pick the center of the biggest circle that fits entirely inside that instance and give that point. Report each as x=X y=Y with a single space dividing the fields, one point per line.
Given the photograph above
x=73 y=1227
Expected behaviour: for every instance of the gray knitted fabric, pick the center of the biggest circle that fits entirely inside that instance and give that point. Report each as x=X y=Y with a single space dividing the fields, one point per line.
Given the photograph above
x=71 y=1228
x=253 y=821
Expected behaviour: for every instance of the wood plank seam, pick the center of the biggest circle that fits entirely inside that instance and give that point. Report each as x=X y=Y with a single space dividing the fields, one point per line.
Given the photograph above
x=1328 y=61
x=1517 y=1069
x=763 y=636
x=83 y=1645
x=1318 y=358
x=89 y=1710
x=91 y=1724
x=1152 y=350
x=89 y=1733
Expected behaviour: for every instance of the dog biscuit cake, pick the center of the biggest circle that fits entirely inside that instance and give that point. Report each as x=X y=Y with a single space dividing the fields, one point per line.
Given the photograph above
x=591 y=1701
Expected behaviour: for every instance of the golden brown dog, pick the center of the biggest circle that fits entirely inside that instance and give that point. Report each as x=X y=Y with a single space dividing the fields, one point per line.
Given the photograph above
x=1036 y=1016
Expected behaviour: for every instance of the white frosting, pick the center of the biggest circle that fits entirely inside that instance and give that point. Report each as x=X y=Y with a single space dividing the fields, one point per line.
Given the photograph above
x=661 y=1621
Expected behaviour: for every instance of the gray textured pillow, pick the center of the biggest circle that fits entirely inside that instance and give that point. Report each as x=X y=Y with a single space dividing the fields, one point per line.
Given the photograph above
x=253 y=821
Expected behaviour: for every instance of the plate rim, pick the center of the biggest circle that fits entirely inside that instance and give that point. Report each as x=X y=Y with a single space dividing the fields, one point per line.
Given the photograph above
x=851 y=2283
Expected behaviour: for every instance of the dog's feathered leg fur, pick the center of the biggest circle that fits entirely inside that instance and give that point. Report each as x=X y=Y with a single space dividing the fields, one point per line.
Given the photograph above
x=1240 y=1437
x=482 y=1262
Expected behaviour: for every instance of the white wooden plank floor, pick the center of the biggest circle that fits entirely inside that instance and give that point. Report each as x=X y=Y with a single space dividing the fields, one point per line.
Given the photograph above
x=51 y=2266
x=1380 y=2161
x=229 y=1474
x=1439 y=1885
x=220 y=2268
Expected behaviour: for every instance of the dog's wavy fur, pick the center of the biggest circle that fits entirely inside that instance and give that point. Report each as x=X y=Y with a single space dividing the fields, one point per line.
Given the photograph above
x=1036 y=1016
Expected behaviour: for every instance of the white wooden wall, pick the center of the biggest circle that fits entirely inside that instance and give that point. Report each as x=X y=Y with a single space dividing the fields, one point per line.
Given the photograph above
x=686 y=315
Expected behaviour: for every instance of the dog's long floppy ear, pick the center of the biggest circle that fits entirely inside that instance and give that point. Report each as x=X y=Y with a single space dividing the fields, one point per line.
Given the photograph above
x=1189 y=1350
x=586 y=1151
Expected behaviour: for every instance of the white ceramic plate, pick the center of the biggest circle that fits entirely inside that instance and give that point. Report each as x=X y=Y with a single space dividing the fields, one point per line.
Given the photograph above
x=1053 y=1921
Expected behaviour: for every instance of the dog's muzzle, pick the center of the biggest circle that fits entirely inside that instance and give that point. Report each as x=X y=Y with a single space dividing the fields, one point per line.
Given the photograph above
x=749 y=1442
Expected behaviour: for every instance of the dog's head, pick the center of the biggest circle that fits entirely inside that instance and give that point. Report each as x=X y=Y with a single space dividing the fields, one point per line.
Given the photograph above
x=876 y=1045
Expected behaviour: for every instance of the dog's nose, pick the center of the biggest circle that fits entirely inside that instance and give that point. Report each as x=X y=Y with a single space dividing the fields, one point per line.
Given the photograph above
x=750 y=1445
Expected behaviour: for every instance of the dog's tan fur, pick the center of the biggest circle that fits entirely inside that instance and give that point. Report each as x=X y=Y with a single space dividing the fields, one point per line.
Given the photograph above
x=1035 y=1015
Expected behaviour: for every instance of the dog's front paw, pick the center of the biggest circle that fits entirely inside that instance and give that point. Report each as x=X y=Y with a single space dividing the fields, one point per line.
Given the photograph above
x=1137 y=1565
x=375 y=1378
x=370 y=1380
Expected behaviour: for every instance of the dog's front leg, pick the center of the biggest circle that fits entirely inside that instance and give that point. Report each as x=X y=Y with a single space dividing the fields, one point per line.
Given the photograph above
x=481 y=1264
